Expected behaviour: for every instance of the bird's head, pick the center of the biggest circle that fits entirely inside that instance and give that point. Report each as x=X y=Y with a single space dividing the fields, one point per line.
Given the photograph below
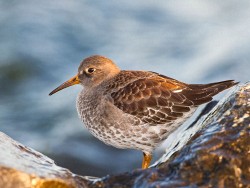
x=91 y=72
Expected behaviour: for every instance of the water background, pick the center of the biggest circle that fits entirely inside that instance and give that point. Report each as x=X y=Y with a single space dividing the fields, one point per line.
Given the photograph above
x=43 y=42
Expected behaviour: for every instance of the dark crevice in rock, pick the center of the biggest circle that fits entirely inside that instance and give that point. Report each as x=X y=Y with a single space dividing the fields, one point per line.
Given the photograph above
x=204 y=111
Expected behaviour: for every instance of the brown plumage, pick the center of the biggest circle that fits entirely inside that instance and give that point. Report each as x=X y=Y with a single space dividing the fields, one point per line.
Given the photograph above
x=135 y=109
x=157 y=99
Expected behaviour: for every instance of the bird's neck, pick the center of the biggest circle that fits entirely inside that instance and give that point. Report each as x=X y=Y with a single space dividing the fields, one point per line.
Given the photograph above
x=114 y=71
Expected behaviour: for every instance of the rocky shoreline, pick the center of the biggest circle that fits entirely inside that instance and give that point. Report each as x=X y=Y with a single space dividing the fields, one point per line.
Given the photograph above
x=216 y=156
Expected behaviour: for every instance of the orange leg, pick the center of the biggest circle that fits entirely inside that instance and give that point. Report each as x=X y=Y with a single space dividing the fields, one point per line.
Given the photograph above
x=146 y=160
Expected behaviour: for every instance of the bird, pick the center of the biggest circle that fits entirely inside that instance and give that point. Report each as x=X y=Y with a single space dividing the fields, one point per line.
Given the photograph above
x=131 y=109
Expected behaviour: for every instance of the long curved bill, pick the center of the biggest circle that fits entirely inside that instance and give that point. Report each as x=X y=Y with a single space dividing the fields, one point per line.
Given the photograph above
x=72 y=81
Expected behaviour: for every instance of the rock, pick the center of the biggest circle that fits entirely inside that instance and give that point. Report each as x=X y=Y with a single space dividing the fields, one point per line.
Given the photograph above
x=22 y=167
x=216 y=156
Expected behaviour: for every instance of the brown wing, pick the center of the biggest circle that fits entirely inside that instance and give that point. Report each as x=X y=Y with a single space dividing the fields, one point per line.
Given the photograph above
x=203 y=93
x=159 y=99
x=152 y=100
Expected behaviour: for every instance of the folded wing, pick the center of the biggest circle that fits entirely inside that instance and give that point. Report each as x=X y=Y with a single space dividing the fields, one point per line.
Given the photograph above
x=159 y=99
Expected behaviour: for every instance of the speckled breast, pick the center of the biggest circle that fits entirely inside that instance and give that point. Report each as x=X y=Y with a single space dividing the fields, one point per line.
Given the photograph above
x=111 y=125
x=102 y=119
x=121 y=130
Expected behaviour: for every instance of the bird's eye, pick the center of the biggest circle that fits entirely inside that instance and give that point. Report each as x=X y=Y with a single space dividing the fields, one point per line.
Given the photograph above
x=90 y=70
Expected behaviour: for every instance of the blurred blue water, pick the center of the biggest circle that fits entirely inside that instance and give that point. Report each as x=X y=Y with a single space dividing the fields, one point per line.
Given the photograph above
x=42 y=43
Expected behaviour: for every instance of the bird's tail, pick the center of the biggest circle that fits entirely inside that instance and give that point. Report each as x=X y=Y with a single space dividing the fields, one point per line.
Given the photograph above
x=202 y=93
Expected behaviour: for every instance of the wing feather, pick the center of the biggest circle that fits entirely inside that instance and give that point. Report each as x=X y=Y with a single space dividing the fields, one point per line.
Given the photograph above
x=157 y=99
x=151 y=100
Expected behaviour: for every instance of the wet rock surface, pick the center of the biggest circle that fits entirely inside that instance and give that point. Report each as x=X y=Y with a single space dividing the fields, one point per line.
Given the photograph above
x=218 y=155
x=21 y=167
